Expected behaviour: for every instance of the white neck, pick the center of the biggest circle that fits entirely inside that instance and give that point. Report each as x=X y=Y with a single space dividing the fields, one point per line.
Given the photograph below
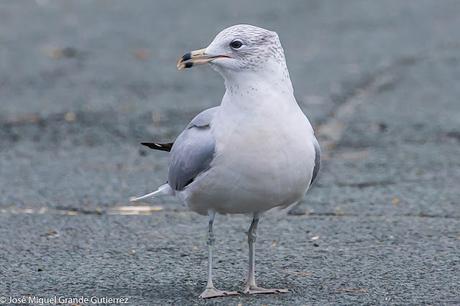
x=249 y=90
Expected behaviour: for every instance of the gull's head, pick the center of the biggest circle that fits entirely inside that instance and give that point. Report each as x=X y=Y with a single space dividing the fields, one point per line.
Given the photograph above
x=238 y=48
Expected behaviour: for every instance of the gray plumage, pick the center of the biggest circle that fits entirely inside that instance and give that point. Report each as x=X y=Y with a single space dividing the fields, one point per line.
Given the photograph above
x=317 y=160
x=204 y=118
x=192 y=152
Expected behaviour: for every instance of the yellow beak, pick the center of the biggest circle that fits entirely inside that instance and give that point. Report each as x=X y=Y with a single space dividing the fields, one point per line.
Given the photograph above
x=197 y=57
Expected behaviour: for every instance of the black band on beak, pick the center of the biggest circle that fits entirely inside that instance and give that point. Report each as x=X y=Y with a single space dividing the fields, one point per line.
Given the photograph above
x=187 y=56
x=197 y=57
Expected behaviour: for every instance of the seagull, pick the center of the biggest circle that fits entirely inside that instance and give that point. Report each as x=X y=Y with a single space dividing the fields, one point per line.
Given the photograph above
x=254 y=152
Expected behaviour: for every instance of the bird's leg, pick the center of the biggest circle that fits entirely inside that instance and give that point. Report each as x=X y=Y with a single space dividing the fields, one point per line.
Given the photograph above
x=252 y=235
x=211 y=291
x=251 y=286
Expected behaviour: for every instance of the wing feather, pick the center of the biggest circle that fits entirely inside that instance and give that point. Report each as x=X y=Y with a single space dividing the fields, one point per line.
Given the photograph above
x=192 y=152
x=317 y=160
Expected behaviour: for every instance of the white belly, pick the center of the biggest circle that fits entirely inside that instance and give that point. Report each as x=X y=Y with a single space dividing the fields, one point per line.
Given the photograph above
x=255 y=167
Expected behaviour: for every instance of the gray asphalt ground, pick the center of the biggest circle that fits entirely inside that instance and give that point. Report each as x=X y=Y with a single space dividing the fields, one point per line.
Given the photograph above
x=83 y=82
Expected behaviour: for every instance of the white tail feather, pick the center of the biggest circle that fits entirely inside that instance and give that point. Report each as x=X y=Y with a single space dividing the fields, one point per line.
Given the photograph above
x=163 y=189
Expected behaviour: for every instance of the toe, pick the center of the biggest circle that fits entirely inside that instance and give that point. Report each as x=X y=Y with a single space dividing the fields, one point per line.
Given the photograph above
x=209 y=293
x=260 y=290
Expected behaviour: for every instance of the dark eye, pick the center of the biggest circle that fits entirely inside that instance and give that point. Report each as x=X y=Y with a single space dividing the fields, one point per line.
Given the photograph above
x=236 y=44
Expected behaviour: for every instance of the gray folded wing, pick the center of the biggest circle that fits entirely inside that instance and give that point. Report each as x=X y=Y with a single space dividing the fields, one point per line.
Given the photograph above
x=193 y=151
x=317 y=160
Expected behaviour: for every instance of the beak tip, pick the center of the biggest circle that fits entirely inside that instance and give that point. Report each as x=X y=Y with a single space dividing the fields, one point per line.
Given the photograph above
x=180 y=64
x=189 y=59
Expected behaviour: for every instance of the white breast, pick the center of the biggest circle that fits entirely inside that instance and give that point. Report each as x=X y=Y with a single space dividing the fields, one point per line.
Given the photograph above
x=263 y=159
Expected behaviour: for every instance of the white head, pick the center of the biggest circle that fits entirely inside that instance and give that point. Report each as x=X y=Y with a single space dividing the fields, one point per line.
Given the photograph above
x=238 y=49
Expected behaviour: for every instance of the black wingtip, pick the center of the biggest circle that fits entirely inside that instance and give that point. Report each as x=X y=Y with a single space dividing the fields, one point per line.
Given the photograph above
x=158 y=146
